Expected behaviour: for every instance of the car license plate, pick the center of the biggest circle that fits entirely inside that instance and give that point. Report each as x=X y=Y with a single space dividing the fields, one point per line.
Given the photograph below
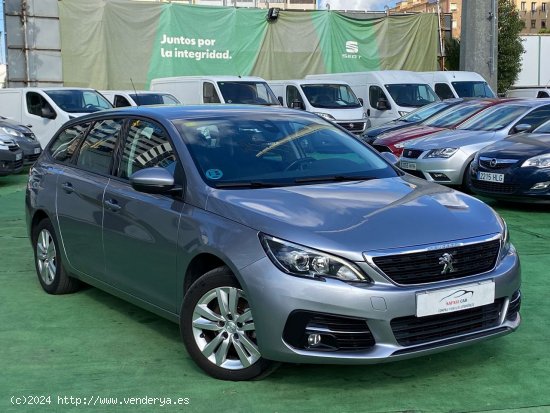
x=37 y=151
x=449 y=300
x=408 y=165
x=490 y=177
x=19 y=156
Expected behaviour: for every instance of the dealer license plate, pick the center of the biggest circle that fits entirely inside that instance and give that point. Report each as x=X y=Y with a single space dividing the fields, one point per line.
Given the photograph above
x=37 y=151
x=490 y=177
x=408 y=165
x=454 y=299
x=19 y=156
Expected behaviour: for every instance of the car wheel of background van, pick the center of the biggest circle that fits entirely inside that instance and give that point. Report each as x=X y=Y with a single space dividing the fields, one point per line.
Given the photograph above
x=47 y=258
x=217 y=328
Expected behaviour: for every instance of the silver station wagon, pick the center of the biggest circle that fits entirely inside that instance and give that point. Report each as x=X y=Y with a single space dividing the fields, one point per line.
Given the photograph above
x=269 y=236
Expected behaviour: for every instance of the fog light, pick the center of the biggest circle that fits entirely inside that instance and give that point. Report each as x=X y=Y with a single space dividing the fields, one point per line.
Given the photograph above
x=541 y=185
x=313 y=340
x=437 y=176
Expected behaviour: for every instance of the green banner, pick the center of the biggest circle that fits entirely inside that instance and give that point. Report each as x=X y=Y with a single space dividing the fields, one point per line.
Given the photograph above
x=108 y=44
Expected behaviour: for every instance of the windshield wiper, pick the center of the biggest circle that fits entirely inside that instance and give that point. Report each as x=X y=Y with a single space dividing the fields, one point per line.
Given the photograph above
x=334 y=178
x=250 y=184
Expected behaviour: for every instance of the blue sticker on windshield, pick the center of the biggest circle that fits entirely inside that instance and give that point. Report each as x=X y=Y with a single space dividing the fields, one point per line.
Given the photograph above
x=214 y=174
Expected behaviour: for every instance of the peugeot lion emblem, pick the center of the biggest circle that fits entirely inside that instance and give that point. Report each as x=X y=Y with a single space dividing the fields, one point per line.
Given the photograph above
x=447 y=261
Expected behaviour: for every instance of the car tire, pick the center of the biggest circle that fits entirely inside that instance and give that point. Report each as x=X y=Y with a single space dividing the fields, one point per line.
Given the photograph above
x=467 y=180
x=47 y=258
x=217 y=329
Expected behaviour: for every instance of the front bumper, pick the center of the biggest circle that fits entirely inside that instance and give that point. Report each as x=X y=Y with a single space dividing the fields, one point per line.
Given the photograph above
x=274 y=296
x=447 y=171
x=11 y=162
x=517 y=185
x=31 y=150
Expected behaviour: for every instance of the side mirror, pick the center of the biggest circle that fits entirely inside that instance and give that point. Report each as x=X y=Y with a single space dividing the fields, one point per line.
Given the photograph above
x=382 y=104
x=297 y=104
x=522 y=127
x=153 y=180
x=361 y=101
x=48 y=113
x=280 y=99
x=390 y=157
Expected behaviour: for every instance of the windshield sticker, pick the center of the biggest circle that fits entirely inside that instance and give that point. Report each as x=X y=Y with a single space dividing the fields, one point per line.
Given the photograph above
x=214 y=174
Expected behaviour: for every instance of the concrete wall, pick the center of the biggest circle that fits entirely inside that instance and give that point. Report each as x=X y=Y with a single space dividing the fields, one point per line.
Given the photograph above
x=33 y=43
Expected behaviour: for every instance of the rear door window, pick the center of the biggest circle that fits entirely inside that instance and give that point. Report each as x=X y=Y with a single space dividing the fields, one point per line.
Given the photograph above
x=96 y=152
x=67 y=142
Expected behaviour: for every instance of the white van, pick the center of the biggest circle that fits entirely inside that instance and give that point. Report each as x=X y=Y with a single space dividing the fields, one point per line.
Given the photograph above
x=45 y=110
x=332 y=100
x=193 y=90
x=123 y=98
x=387 y=94
x=529 y=92
x=458 y=84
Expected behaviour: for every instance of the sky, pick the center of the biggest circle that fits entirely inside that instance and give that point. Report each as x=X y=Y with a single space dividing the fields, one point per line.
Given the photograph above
x=372 y=5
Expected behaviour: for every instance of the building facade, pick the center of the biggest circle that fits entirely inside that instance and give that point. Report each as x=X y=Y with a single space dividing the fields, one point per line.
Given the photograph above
x=534 y=14
x=448 y=7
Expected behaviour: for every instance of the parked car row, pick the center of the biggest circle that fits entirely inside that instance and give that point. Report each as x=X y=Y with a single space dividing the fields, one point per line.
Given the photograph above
x=18 y=147
x=451 y=146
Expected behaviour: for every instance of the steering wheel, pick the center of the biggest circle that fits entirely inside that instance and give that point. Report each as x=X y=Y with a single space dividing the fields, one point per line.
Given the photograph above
x=299 y=163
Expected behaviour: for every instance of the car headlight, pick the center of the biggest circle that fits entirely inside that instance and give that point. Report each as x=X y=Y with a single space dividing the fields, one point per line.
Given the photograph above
x=505 y=239
x=403 y=113
x=305 y=262
x=326 y=116
x=540 y=161
x=441 y=153
x=10 y=131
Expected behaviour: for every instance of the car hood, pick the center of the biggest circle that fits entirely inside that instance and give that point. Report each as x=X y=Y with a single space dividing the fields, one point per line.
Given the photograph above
x=347 y=219
x=520 y=146
x=14 y=125
x=406 y=134
x=455 y=138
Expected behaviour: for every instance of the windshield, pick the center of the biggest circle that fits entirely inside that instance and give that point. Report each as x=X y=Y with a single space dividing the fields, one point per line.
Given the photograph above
x=425 y=112
x=455 y=115
x=331 y=96
x=412 y=95
x=251 y=93
x=145 y=99
x=79 y=101
x=495 y=118
x=258 y=148
x=473 y=90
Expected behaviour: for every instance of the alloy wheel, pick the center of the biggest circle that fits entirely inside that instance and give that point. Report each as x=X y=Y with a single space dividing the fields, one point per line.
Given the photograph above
x=46 y=257
x=223 y=329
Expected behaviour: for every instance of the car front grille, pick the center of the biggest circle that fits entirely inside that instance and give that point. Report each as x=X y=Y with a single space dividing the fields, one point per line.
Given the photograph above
x=412 y=330
x=18 y=164
x=412 y=153
x=495 y=187
x=487 y=164
x=425 y=267
x=13 y=148
x=337 y=333
x=353 y=126
x=31 y=158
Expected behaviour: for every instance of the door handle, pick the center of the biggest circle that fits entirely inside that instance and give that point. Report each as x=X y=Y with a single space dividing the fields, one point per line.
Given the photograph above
x=112 y=205
x=67 y=187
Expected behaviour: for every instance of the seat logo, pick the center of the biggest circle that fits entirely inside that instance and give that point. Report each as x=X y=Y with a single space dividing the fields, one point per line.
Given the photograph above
x=447 y=261
x=352 y=47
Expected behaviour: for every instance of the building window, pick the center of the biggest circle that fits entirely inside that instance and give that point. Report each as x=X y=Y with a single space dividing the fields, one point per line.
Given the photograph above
x=453 y=7
x=533 y=24
x=523 y=6
x=543 y=7
x=543 y=24
x=533 y=7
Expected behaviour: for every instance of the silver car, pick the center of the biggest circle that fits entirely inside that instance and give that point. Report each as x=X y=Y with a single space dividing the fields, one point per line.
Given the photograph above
x=269 y=236
x=445 y=157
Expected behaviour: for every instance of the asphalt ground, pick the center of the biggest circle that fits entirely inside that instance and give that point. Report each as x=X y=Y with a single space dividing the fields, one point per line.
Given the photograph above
x=90 y=348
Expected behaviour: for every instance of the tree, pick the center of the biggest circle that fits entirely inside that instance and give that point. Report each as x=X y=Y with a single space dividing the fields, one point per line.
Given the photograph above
x=510 y=47
x=452 y=54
